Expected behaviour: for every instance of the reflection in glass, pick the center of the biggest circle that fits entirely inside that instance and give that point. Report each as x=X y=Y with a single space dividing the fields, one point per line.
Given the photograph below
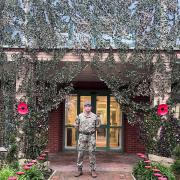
x=115 y=113
x=70 y=137
x=101 y=108
x=82 y=100
x=115 y=137
x=101 y=137
x=70 y=116
x=71 y=109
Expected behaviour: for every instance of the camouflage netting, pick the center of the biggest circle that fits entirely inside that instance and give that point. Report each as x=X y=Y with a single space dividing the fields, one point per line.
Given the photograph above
x=146 y=29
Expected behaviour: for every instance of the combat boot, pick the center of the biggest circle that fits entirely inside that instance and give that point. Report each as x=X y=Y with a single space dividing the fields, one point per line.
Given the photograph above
x=78 y=173
x=93 y=174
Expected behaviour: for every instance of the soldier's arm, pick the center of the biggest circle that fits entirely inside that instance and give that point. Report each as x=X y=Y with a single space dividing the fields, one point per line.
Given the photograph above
x=76 y=124
x=98 y=121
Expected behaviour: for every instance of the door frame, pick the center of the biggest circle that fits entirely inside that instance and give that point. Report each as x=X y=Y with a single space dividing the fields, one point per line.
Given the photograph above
x=93 y=93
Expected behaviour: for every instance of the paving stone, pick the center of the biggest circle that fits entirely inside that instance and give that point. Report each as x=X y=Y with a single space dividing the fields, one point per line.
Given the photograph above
x=110 y=166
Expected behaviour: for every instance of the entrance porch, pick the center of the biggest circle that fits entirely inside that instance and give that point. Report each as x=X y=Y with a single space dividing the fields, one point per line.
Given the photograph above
x=110 y=165
x=115 y=133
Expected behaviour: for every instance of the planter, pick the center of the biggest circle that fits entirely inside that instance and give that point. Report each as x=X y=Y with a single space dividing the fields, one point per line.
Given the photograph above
x=177 y=176
x=52 y=175
x=133 y=176
x=163 y=160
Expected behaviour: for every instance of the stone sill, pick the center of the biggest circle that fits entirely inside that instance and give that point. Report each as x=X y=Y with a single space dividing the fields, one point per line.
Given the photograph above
x=163 y=160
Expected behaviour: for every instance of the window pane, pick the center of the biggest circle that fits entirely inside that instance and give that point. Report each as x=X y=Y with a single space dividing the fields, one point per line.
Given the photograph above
x=70 y=109
x=115 y=113
x=84 y=99
x=101 y=137
x=115 y=138
x=70 y=137
x=101 y=108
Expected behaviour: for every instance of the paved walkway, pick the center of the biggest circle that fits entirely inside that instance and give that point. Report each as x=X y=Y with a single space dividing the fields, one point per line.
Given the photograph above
x=110 y=166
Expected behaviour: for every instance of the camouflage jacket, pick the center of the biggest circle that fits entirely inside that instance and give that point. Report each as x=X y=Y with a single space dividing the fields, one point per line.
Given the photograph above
x=87 y=123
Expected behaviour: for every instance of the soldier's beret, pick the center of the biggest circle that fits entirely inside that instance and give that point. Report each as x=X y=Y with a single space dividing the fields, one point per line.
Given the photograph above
x=87 y=103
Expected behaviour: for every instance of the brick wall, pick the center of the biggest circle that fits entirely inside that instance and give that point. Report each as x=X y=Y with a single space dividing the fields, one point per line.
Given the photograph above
x=132 y=143
x=56 y=129
x=56 y=134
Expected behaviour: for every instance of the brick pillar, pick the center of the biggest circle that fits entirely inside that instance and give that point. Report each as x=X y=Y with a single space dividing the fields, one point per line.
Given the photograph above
x=132 y=143
x=56 y=130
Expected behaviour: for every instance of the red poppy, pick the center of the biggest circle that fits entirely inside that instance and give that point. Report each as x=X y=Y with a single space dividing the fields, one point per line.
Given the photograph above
x=46 y=151
x=143 y=156
x=162 y=178
x=157 y=174
x=22 y=108
x=20 y=173
x=12 y=178
x=147 y=167
x=30 y=164
x=26 y=167
x=140 y=154
x=156 y=170
x=162 y=109
x=43 y=155
x=147 y=161
x=34 y=161
x=41 y=158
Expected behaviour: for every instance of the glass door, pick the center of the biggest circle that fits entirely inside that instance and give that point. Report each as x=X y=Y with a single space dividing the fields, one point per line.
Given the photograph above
x=101 y=110
x=70 y=116
x=115 y=125
x=109 y=135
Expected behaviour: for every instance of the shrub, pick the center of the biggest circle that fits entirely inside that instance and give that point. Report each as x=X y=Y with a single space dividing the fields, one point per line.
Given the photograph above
x=176 y=152
x=6 y=171
x=176 y=165
x=141 y=173
x=34 y=173
x=12 y=152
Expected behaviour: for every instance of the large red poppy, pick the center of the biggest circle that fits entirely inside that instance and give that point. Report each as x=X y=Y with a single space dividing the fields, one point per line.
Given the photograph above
x=162 y=109
x=22 y=108
x=12 y=178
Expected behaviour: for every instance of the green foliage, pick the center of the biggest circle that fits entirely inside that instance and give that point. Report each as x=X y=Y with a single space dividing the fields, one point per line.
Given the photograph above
x=148 y=131
x=176 y=152
x=169 y=137
x=141 y=173
x=164 y=143
x=6 y=171
x=176 y=167
x=34 y=173
x=12 y=157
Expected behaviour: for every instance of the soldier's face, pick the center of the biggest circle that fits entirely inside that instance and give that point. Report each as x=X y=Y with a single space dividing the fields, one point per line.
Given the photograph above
x=87 y=108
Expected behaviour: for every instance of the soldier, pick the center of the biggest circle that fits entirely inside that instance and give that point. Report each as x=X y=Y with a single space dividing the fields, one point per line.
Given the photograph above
x=86 y=123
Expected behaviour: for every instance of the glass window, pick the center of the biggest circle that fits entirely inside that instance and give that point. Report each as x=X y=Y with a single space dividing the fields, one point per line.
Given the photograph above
x=70 y=137
x=70 y=109
x=101 y=108
x=101 y=136
x=115 y=137
x=70 y=116
x=115 y=112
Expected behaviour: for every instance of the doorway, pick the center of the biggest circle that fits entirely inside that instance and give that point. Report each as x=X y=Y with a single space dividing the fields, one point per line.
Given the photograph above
x=109 y=135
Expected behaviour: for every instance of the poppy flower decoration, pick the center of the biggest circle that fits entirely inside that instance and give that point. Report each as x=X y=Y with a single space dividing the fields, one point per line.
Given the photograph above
x=22 y=108
x=162 y=109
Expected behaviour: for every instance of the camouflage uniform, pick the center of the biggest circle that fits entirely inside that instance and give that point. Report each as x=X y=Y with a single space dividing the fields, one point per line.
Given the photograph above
x=87 y=124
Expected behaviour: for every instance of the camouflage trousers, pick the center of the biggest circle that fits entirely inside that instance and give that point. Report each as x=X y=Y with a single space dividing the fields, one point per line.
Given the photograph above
x=86 y=143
